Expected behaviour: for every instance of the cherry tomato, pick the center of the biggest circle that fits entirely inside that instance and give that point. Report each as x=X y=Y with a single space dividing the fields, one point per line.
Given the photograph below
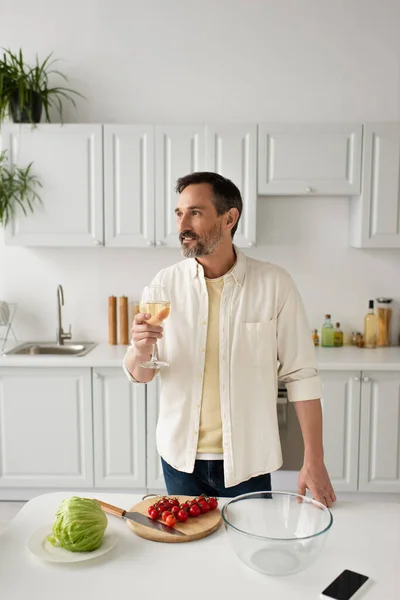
x=165 y=514
x=174 y=501
x=154 y=514
x=182 y=515
x=152 y=507
x=161 y=507
x=175 y=510
x=204 y=506
x=213 y=502
x=185 y=506
x=170 y=520
x=194 y=510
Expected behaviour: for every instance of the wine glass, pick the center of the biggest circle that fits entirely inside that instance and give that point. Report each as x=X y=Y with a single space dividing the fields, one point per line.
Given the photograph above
x=155 y=301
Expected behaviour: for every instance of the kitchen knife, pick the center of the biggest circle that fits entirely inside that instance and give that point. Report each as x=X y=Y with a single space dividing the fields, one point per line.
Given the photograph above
x=137 y=517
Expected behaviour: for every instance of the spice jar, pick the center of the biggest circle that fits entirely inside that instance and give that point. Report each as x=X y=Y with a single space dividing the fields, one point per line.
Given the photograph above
x=354 y=337
x=315 y=337
x=384 y=315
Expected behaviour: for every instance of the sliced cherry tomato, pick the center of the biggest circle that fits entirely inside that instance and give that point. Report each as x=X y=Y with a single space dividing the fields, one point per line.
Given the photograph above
x=170 y=520
x=194 y=510
x=182 y=515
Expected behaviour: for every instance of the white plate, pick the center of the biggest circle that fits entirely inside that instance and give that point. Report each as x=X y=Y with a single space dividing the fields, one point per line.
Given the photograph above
x=39 y=546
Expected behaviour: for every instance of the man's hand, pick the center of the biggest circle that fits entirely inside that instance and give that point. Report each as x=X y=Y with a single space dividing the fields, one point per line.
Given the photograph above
x=314 y=477
x=144 y=336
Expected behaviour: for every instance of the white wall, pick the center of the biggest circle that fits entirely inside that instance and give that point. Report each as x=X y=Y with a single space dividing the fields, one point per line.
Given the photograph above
x=163 y=61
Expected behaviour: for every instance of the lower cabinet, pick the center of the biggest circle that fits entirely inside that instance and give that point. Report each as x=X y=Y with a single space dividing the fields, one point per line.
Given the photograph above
x=155 y=477
x=119 y=429
x=46 y=428
x=379 y=467
x=341 y=417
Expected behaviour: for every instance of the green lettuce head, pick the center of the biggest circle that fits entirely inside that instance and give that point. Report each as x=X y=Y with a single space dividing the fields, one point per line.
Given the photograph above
x=79 y=525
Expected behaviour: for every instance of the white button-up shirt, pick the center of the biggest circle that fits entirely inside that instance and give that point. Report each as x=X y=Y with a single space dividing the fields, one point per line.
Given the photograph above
x=264 y=337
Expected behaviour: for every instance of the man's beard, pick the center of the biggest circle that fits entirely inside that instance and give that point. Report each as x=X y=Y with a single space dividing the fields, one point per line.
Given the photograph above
x=204 y=246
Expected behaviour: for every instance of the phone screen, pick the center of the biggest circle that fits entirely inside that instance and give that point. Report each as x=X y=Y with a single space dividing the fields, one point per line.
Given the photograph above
x=344 y=586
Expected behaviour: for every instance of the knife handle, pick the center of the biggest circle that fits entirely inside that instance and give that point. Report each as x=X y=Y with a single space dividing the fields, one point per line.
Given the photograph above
x=113 y=510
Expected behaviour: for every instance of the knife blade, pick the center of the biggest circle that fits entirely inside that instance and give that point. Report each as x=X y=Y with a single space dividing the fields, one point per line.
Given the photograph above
x=137 y=517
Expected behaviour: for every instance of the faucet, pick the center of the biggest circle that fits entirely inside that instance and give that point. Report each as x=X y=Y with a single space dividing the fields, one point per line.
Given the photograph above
x=61 y=336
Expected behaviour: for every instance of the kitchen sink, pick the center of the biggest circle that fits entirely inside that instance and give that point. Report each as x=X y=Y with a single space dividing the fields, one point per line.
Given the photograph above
x=52 y=349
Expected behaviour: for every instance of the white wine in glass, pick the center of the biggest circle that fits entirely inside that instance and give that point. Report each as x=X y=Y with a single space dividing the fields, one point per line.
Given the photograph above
x=155 y=301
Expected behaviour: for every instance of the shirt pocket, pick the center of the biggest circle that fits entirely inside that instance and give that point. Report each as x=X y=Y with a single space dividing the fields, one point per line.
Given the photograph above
x=258 y=344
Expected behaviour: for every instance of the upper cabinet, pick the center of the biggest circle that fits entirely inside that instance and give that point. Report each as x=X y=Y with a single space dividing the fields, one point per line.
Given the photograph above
x=129 y=190
x=232 y=152
x=375 y=215
x=180 y=149
x=309 y=159
x=68 y=162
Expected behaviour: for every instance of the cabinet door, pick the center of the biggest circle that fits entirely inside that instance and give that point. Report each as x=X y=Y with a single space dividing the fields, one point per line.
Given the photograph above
x=375 y=215
x=119 y=423
x=46 y=428
x=129 y=185
x=232 y=152
x=341 y=413
x=155 y=477
x=180 y=149
x=380 y=432
x=309 y=159
x=68 y=161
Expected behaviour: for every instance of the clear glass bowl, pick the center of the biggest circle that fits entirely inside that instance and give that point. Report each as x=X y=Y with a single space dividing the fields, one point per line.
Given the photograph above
x=276 y=533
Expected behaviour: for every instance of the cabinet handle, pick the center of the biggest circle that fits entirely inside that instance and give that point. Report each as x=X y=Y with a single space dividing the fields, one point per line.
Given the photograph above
x=96 y=376
x=309 y=190
x=365 y=379
x=159 y=243
x=150 y=243
x=356 y=379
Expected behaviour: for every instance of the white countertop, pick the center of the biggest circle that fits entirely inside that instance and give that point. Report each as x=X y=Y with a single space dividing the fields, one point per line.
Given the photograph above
x=364 y=537
x=347 y=358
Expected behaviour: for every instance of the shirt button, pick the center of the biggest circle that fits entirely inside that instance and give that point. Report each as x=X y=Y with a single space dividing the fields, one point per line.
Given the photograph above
x=199 y=376
x=204 y=293
x=201 y=349
x=204 y=322
x=194 y=432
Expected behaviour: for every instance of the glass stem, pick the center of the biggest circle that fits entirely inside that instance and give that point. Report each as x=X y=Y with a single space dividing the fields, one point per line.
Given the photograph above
x=154 y=356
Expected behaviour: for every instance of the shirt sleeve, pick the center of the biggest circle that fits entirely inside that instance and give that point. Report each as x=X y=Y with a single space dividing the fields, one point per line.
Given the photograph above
x=296 y=352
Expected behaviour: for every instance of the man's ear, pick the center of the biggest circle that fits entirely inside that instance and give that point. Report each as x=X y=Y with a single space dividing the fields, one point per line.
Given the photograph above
x=232 y=218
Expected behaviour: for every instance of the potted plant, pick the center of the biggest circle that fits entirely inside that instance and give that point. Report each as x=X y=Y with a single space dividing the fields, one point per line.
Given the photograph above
x=25 y=91
x=17 y=188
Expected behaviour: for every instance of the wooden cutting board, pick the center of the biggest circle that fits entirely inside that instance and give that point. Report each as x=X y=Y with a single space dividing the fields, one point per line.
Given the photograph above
x=194 y=528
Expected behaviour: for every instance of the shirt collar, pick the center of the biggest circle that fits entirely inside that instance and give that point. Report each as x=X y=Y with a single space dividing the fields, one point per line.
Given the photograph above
x=238 y=272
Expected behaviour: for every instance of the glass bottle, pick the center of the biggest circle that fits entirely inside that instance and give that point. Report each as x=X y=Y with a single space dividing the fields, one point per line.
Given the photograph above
x=338 y=336
x=354 y=337
x=327 y=333
x=370 y=327
x=384 y=316
x=315 y=337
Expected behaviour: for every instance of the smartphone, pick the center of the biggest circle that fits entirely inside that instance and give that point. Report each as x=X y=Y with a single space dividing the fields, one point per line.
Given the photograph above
x=344 y=586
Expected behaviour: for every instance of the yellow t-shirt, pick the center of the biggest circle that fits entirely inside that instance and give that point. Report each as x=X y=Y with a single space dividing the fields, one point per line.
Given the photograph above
x=210 y=430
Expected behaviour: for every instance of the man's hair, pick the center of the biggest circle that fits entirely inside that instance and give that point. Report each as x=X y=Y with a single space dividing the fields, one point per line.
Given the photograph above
x=225 y=194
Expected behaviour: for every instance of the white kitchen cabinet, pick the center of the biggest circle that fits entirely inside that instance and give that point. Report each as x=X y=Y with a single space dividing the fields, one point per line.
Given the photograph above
x=119 y=425
x=68 y=161
x=375 y=215
x=155 y=477
x=180 y=150
x=380 y=432
x=129 y=185
x=309 y=159
x=46 y=428
x=341 y=413
x=232 y=152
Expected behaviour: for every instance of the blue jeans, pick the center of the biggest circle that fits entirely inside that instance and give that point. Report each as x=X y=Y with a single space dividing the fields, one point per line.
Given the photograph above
x=208 y=478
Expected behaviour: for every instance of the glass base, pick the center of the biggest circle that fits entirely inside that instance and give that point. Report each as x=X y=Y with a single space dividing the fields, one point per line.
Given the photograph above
x=154 y=364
